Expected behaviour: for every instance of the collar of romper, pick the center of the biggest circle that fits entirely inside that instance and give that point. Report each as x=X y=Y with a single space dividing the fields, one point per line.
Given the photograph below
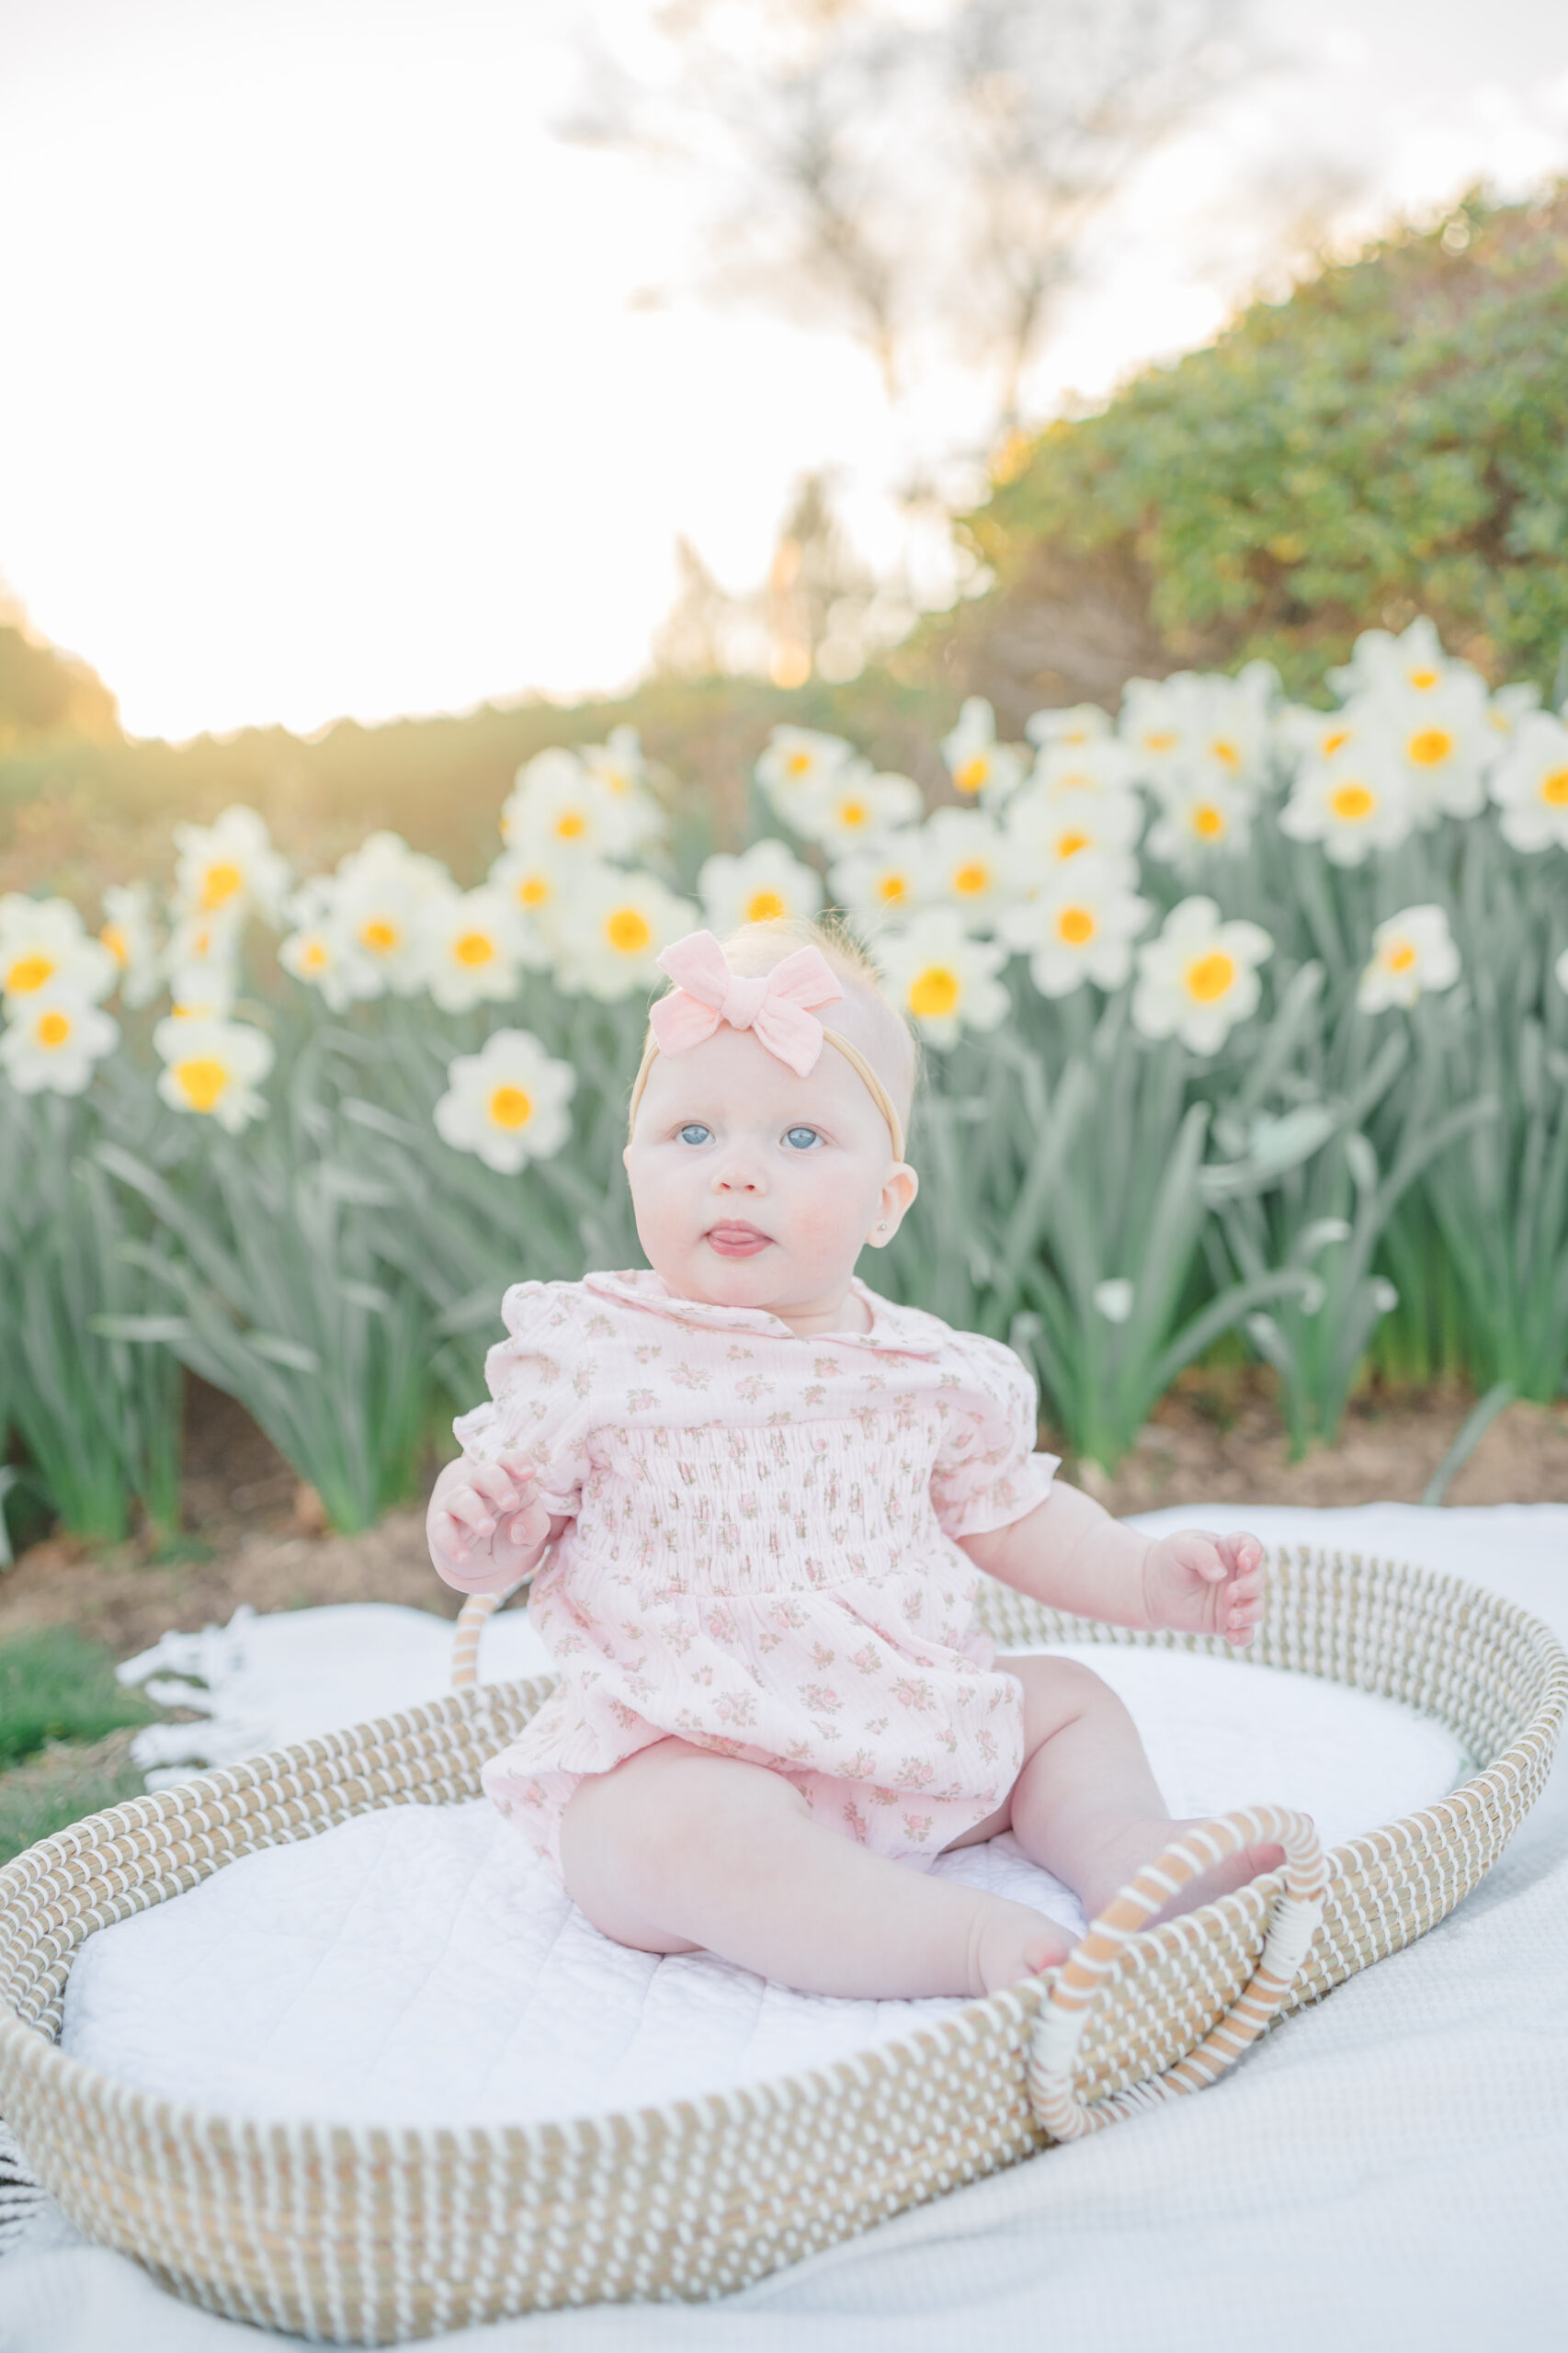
x=900 y=1330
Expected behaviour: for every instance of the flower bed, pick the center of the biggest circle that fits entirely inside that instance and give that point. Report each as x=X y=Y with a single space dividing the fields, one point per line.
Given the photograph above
x=1245 y=1018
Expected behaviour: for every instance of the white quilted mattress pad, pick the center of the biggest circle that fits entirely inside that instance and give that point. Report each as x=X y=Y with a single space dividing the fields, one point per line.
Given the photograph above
x=417 y=1966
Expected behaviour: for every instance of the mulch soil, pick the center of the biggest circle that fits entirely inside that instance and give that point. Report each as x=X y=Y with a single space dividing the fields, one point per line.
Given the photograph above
x=252 y=1534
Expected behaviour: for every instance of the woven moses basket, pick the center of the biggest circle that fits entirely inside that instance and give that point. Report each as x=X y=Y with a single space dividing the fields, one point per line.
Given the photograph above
x=359 y=2235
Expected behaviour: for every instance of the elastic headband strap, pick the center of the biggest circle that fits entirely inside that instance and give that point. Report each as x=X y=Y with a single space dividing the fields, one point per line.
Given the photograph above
x=852 y=1055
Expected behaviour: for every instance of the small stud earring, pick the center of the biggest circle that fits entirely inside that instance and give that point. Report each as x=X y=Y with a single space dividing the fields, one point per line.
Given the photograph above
x=881 y=1225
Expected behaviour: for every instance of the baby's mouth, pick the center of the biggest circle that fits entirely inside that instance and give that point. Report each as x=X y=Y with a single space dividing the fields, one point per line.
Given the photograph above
x=734 y=1239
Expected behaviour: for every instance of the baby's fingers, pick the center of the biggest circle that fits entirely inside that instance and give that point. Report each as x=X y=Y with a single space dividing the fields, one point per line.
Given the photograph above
x=470 y=1519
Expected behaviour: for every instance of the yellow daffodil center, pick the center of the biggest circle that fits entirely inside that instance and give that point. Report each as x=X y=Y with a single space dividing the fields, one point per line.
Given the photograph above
x=765 y=906
x=1430 y=745
x=1554 y=789
x=1352 y=802
x=1207 y=820
x=220 y=883
x=201 y=1082
x=1332 y=743
x=628 y=932
x=972 y=775
x=1209 y=976
x=474 y=948
x=380 y=936
x=510 y=1107
x=533 y=890
x=934 y=993
x=968 y=880
x=570 y=824
x=796 y=764
x=853 y=813
x=1162 y=740
x=1423 y=680
x=1226 y=753
x=892 y=888
x=53 y=1029
x=1399 y=956
x=115 y=940
x=1069 y=845
x=313 y=955
x=1075 y=925
x=29 y=972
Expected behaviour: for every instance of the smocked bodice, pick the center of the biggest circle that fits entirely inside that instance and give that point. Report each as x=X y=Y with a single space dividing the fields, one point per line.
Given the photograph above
x=760 y=1510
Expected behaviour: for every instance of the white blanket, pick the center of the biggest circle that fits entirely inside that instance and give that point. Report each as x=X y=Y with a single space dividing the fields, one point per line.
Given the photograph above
x=1388 y=2168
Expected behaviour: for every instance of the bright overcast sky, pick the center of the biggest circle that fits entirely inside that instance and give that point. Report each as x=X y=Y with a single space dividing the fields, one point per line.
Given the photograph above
x=338 y=384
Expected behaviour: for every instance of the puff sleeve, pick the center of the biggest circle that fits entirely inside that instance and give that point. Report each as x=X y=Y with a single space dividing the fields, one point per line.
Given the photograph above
x=987 y=1473
x=541 y=1384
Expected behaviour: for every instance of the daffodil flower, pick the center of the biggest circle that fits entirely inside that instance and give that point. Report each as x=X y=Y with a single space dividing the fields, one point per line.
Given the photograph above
x=1356 y=801
x=794 y=761
x=468 y=946
x=968 y=865
x=612 y=928
x=1412 y=956
x=1210 y=736
x=44 y=946
x=854 y=806
x=879 y=886
x=1047 y=828
x=54 y=1040
x=131 y=936
x=981 y=768
x=382 y=893
x=1199 y=977
x=1078 y=926
x=229 y=868
x=945 y=979
x=763 y=885
x=559 y=804
x=1410 y=664
x=1530 y=784
x=1202 y=816
x=212 y=1069
x=1071 y=730
x=507 y=1103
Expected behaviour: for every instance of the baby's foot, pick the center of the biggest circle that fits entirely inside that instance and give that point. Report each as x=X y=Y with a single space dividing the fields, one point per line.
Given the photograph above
x=1012 y=1942
x=1144 y=1841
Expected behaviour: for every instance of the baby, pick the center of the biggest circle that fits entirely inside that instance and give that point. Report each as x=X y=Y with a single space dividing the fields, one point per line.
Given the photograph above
x=760 y=1495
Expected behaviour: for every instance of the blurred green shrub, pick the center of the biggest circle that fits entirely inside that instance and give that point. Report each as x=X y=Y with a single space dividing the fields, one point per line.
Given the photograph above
x=1394 y=436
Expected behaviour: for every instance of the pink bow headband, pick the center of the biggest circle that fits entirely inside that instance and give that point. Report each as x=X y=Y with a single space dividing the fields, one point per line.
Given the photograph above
x=775 y=1007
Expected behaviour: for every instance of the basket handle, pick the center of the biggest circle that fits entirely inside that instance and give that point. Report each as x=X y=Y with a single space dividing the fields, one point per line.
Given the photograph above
x=1086 y=1972
x=472 y=1618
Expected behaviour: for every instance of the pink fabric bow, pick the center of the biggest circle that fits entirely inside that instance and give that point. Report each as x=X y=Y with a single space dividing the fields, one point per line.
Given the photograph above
x=773 y=1004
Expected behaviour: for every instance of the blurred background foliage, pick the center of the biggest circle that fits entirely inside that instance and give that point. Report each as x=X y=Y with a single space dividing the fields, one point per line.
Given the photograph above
x=1393 y=435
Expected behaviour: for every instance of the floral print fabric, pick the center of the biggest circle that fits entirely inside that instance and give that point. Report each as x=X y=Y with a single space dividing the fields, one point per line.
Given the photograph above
x=761 y=1555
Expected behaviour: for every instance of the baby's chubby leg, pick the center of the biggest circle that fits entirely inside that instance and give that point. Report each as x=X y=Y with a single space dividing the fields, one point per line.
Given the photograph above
x=678 y=1848
x=1084 y=1803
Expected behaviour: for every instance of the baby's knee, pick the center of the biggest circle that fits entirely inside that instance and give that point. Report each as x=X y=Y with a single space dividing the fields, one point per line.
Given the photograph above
x=1060 y=1691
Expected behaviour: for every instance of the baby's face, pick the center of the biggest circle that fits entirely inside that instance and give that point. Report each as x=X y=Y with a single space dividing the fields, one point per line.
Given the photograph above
x=754 y=1187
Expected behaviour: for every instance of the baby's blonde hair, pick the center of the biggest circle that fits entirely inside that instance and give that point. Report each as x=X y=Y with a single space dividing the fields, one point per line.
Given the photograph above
x=755 y=947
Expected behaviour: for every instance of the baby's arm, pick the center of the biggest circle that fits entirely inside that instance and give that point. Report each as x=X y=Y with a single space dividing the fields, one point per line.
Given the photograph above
x=1073 y=1555
x=486 y=1526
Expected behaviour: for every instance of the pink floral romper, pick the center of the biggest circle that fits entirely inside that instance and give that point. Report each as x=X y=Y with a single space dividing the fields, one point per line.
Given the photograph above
x=760 y=1558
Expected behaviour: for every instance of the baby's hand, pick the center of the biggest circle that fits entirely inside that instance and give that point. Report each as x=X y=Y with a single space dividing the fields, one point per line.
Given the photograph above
x=1201 y=1584
x=485 y=1517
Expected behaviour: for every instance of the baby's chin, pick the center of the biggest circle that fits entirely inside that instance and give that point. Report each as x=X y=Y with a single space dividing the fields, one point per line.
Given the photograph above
x=768 y=1279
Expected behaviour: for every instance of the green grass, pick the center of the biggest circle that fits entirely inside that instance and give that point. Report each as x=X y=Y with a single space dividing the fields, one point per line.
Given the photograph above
x=55 y=1685
x=60 y=1787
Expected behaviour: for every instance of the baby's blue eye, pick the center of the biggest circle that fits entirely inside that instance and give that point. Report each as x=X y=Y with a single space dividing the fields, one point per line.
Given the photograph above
x=694 y=1132
x=801 y=1138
